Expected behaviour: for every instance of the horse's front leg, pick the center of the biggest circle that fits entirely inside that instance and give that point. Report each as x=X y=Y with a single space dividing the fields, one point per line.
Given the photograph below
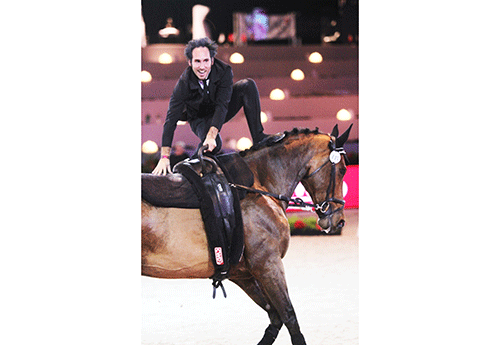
x=264 y=248
x=271 y=278
x=253 y=290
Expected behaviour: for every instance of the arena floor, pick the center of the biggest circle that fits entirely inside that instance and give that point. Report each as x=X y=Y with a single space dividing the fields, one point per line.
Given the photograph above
x=322 y=274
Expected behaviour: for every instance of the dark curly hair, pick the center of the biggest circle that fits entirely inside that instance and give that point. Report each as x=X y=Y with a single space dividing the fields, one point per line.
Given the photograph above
x=200 y=42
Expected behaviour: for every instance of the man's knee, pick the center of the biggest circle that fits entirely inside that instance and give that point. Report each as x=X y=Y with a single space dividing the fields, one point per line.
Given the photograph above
x=250 y=84
x=246 y=86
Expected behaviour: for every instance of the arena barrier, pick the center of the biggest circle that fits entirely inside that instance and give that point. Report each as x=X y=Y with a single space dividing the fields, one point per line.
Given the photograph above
x=351 y=190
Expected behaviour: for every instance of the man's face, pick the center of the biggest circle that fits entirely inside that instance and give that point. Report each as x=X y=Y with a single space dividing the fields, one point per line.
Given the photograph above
x=201 y=63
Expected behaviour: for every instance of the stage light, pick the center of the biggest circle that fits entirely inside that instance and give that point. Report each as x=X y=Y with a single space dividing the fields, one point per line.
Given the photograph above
x=146 y=77
x=315 y=58
x=243 y=143
x=236 y=58
x=263 y=117
x=344 y=115
x=331 y=38
x=277 y=95
x=297 y=74
x=168 y=31
x=165 y=59
x=149 y=147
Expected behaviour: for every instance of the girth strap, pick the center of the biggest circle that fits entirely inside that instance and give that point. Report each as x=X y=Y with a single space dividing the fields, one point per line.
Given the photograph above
x=215 y=225
x=221 y=213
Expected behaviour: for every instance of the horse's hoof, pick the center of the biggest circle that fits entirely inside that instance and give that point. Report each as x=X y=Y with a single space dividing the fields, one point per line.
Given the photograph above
x=269 y=336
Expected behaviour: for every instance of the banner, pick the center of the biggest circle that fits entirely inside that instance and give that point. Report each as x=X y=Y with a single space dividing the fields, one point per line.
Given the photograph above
x=258 y=26
x=350 y=188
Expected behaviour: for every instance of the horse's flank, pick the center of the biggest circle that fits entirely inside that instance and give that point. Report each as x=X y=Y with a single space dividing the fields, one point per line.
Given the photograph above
x=174 y=244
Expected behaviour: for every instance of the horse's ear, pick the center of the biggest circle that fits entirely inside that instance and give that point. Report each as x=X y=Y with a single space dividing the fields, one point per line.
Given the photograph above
x=335 y=132
x=343 y=138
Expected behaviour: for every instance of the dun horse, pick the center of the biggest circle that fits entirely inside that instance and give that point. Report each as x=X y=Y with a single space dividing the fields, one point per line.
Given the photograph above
x=174 y=244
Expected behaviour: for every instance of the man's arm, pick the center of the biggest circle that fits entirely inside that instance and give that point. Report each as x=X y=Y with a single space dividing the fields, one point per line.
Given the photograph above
x=175 y=108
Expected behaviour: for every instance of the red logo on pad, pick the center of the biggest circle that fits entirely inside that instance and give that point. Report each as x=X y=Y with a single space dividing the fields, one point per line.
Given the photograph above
x=219 y=260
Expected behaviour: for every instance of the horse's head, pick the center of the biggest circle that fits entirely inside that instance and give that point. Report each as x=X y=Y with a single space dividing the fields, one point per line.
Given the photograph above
x=323 y=179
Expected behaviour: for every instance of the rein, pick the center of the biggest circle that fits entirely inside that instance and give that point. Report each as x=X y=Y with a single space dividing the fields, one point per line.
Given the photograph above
x=323 y=209
x=295 y=201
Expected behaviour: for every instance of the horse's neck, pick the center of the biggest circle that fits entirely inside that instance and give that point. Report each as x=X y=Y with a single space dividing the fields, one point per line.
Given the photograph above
x=280 y=173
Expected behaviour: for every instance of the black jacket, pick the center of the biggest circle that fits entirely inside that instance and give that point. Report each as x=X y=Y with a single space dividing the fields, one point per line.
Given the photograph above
x=186 y=100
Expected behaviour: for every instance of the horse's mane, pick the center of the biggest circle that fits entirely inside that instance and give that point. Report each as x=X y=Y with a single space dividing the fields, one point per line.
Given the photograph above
x=271 y=141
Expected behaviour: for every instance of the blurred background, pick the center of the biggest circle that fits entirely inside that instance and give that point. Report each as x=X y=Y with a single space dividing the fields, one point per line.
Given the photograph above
x=303 y=57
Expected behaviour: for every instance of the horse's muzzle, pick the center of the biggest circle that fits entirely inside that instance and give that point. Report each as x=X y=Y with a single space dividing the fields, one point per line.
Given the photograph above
x=328 y=227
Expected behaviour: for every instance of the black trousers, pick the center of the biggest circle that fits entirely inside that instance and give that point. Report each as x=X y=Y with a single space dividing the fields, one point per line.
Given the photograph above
x=246 y=95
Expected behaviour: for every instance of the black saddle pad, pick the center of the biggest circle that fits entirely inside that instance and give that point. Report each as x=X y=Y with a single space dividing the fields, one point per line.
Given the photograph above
x=171 y=190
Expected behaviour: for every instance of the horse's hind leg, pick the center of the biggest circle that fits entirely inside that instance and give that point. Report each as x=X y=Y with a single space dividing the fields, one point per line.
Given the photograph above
x=253 y=290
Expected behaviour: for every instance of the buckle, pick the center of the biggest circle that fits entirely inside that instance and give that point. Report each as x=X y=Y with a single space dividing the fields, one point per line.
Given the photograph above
x=323 y=207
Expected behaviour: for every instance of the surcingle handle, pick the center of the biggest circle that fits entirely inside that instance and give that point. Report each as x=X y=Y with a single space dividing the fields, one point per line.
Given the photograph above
x=216 y=284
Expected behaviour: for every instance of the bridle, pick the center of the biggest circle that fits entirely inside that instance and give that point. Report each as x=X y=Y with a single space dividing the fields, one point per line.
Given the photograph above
x=323 y=209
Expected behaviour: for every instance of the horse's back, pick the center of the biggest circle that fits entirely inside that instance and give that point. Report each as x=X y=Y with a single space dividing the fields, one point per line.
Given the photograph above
x=174 y=243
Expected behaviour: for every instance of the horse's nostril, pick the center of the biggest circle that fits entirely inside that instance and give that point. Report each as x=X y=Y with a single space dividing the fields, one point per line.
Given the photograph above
x=341 y=224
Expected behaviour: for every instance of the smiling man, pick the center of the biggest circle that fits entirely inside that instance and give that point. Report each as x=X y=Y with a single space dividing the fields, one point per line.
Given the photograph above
x=206 y=97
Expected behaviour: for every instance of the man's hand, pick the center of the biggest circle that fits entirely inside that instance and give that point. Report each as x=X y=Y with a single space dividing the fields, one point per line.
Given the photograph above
x=211 y=144
x=163 y=166
x=210 y=138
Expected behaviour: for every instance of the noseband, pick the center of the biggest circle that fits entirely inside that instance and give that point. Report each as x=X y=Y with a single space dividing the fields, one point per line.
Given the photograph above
x=323 y=209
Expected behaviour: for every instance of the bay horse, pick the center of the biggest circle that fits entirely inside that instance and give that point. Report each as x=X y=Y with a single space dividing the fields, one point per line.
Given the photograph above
x=174 y=243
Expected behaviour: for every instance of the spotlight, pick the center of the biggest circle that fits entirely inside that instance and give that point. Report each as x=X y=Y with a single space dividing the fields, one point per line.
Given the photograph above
x=344 y=115
x=146 y=77
x=236 y=58
x=277 y=95
x=149 y=147
x=297 y=74
x=315 y=58
x=243 y=143
x=165 y=59
x=263 y=117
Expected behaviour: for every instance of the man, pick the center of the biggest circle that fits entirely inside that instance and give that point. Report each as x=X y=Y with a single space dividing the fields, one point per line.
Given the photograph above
x=206 y=97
